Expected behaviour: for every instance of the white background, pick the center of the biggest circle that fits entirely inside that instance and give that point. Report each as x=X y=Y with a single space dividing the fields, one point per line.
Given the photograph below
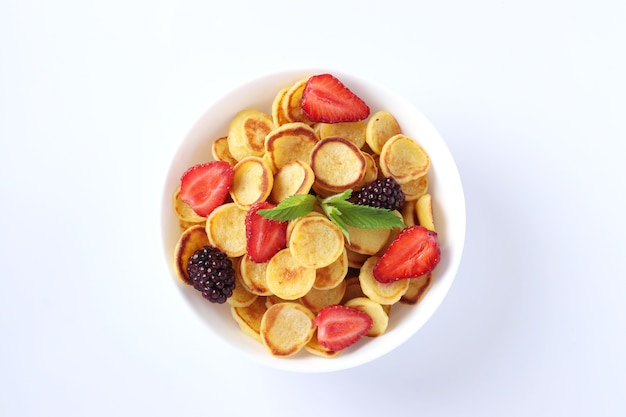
x=529 y=95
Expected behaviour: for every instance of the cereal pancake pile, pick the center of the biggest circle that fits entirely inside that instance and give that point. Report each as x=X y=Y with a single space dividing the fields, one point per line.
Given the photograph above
x=306 y=283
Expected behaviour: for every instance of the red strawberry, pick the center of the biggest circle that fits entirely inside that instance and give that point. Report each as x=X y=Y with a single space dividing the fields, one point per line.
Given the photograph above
x=265 y=237
x=326 y=99
x=205 y=186
x=414 y=252
x=339 y=326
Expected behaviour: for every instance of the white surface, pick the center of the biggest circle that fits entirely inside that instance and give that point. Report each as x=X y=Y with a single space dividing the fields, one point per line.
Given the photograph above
x=530 y=97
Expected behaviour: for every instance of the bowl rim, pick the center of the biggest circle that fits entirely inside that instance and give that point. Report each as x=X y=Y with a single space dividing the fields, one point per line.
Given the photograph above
x=203 y=132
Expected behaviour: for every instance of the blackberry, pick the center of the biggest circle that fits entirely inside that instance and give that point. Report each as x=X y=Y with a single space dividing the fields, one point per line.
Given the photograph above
x=211 y=272
x=381 y=193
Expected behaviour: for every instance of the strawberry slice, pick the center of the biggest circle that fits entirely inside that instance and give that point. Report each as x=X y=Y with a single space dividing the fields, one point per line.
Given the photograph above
x=414 y=252
x=326 y=99
x=205 y=186
x=265 y=237
x=339 y=326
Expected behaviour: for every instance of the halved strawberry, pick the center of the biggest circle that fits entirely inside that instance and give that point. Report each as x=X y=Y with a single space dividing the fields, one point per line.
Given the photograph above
x=326 y=99
x=205 y=186
x=265 y=237
x=414 y=252
x=339 y=326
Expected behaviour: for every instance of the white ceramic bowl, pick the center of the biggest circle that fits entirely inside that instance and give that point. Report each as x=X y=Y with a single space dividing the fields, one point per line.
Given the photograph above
x=448 y=206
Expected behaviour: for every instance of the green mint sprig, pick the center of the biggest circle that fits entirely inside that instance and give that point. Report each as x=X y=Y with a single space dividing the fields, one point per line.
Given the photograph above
x=338 y=209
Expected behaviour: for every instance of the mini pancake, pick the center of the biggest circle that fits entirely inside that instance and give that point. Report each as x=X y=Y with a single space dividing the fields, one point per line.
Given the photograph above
x=353 y=131
x=184 y=212
x=287 y=278
x=392 y=236
x=270 y=300
x=380 y=127
x=321 y=191
x=252 y=182
x=371 y=170
x=291 y=224
x=332 y=275
x=286 y=328
x=247 y=132
x=292 y=103
x=315 y=241
x=278 y=114
x=392 y=233
x=254 y=276
x=403 y=159
x=220 y=151
x=315 y=299
x=381 y=293
x=353 y=289
x=290 y=142
x=315 y=348
x=375 y=311
x=424 y=209
x=418 y=287
x=267 y=159
x=409 y=215
x=191 y=240
x=226 y=229
x=414 y=189
x=241 y=295
x=366 y=241
x=183 y=225
x=295 y=177
x=249 y=318
x=338 y=164
x=355 y=260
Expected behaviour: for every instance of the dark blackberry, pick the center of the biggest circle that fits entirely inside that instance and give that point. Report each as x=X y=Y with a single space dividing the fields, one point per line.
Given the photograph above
x=382 y=193
x=211 y=272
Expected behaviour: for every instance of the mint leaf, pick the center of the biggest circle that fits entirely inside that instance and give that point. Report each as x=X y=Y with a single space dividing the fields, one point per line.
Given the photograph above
x=334 y=215
x=366 y=217
x=338 y=210
x=290 y=208
x=337 y=197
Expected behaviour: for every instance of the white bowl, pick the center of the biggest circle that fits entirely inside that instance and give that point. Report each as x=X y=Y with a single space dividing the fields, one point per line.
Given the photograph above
x=448 y=206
